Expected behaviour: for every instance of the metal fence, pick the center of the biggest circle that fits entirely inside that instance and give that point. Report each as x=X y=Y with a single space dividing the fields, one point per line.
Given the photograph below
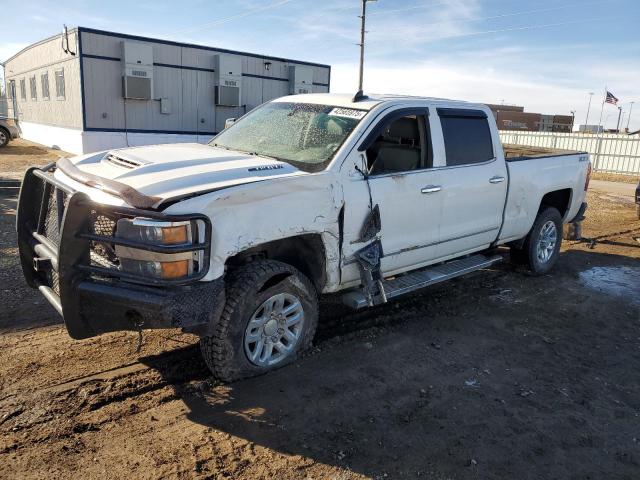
x=610 y=152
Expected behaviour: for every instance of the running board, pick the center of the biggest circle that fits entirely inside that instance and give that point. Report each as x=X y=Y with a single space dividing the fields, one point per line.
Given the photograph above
x=412 y=281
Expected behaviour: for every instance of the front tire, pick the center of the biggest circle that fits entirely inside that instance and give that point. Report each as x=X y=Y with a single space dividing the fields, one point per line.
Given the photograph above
x=269 y=319
x=542 y=246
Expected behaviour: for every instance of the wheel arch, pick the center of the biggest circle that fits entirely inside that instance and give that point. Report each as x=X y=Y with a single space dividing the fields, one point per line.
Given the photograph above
x=305 y=252
x=558 y=199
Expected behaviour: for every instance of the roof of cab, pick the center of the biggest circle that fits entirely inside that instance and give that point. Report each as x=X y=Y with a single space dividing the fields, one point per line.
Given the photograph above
x=370 y=101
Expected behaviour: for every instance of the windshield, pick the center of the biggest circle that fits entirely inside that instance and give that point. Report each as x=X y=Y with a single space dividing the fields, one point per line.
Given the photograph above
x=304 y=135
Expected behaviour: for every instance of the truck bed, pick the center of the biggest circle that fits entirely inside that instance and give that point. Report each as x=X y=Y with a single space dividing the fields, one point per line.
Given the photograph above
x=514 y=153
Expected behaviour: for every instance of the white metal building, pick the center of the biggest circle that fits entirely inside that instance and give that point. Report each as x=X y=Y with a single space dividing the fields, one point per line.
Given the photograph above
x=93 y=90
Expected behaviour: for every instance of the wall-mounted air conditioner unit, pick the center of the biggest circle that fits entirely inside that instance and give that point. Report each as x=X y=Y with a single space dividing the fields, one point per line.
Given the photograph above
x=228 y=79
x=137 y=71
x=300 y=79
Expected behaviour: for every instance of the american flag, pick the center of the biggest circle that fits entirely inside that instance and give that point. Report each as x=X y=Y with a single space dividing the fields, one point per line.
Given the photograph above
x=611 y=98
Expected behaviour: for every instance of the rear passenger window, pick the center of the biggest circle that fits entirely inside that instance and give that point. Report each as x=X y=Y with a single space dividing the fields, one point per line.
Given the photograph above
x=467 y=138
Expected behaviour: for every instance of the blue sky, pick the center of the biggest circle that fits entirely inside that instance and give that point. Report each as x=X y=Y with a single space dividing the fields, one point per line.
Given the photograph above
x=546 y=54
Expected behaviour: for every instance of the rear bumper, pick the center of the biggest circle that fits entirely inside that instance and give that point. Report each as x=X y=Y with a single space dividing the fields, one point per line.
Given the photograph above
x=95 y=299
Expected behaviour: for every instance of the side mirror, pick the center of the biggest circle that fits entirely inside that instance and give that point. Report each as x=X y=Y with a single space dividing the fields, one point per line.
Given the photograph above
x=229 y=121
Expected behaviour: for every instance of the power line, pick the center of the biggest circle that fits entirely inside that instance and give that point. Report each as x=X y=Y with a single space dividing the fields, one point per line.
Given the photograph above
x=406 y=9
x=233 y=17
x=513 y=14
x=526 y=27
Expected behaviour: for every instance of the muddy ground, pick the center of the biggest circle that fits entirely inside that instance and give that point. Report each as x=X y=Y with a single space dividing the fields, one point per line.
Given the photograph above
x=496 y=375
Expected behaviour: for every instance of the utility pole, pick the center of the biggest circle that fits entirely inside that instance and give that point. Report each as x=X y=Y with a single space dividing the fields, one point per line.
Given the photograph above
x=573 y=120
x=619 y=115
x=629 y=117
x=361 y=44
x=586 y=122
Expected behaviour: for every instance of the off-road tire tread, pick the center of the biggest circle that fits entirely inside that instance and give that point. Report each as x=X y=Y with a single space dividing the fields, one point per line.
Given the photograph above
x=239 y=283
x=527 y=249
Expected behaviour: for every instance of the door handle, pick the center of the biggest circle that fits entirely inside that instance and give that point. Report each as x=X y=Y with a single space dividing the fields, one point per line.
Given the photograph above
x=431 y=189
x=496 y=179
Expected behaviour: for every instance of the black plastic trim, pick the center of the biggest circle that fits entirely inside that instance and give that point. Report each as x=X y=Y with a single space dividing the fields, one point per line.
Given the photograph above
x=539 y=157
x=137 y=130
x=461 y=113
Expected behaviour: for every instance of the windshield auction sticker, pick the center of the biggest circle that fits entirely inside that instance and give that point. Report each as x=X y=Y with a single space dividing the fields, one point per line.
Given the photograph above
x=348 y=113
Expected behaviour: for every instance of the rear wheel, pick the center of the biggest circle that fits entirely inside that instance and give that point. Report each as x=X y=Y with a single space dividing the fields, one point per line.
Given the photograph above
x=542 y=246
x=269 y=318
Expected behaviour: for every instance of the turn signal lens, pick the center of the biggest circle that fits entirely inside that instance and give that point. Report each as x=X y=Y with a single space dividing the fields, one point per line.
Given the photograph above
x=175 y=269
x=173 y=235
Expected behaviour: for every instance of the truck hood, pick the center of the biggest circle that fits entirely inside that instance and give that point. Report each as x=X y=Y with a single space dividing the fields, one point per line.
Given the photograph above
x=179 y=170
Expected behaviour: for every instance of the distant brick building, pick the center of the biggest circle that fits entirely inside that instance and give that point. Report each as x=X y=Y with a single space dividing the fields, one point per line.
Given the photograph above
x=512 y=117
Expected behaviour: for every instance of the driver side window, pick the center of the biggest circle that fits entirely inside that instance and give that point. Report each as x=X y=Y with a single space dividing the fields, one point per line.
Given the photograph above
x=404 y=144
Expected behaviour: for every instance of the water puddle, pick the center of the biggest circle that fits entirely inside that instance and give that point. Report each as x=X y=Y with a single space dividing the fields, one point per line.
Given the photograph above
x=618 y=281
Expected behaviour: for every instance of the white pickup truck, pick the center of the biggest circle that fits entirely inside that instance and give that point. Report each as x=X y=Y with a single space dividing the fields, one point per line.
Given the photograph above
x=303 y=196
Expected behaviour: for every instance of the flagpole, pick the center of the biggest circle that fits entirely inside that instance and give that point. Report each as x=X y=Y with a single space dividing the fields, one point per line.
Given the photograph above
x=602 y=108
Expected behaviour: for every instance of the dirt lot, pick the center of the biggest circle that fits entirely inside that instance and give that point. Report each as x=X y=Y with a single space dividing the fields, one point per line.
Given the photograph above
x=497 y=375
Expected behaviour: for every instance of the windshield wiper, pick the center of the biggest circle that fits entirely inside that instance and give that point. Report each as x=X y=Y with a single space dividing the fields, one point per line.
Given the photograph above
x=218 y=146
x=253 y=154
x=256 y=154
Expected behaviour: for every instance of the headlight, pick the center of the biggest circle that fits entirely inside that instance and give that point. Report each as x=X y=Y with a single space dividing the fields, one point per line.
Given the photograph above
x=148 y=231
x=151 y=264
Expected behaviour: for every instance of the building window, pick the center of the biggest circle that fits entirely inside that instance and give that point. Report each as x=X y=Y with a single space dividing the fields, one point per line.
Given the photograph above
x=44 y=80
x=32 y=87
x=9 y=91
x=23 y=89
x=60 y=84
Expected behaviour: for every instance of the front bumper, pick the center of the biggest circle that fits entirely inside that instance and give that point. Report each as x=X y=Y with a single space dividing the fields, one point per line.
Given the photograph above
x=62 y=239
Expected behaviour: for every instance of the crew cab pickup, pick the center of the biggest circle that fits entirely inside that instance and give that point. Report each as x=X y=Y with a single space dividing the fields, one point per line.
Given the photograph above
x=304 y=196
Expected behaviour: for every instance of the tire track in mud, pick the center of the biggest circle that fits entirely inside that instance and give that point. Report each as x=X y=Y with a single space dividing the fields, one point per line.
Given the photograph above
x=66 y=409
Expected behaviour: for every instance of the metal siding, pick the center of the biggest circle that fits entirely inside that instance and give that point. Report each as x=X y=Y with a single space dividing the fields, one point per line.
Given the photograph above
x=168 y=84
x=47 y=57
x=252 y=92
x=182 y=78
x=103 y=94
x=188 y=114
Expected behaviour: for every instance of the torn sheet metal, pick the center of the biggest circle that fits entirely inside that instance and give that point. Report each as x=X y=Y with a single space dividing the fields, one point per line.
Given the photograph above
x=368 y=259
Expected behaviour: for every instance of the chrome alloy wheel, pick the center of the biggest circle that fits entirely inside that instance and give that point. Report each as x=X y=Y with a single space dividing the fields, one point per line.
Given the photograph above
x=274 y=330
x=547 y=241
x=3 y=137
